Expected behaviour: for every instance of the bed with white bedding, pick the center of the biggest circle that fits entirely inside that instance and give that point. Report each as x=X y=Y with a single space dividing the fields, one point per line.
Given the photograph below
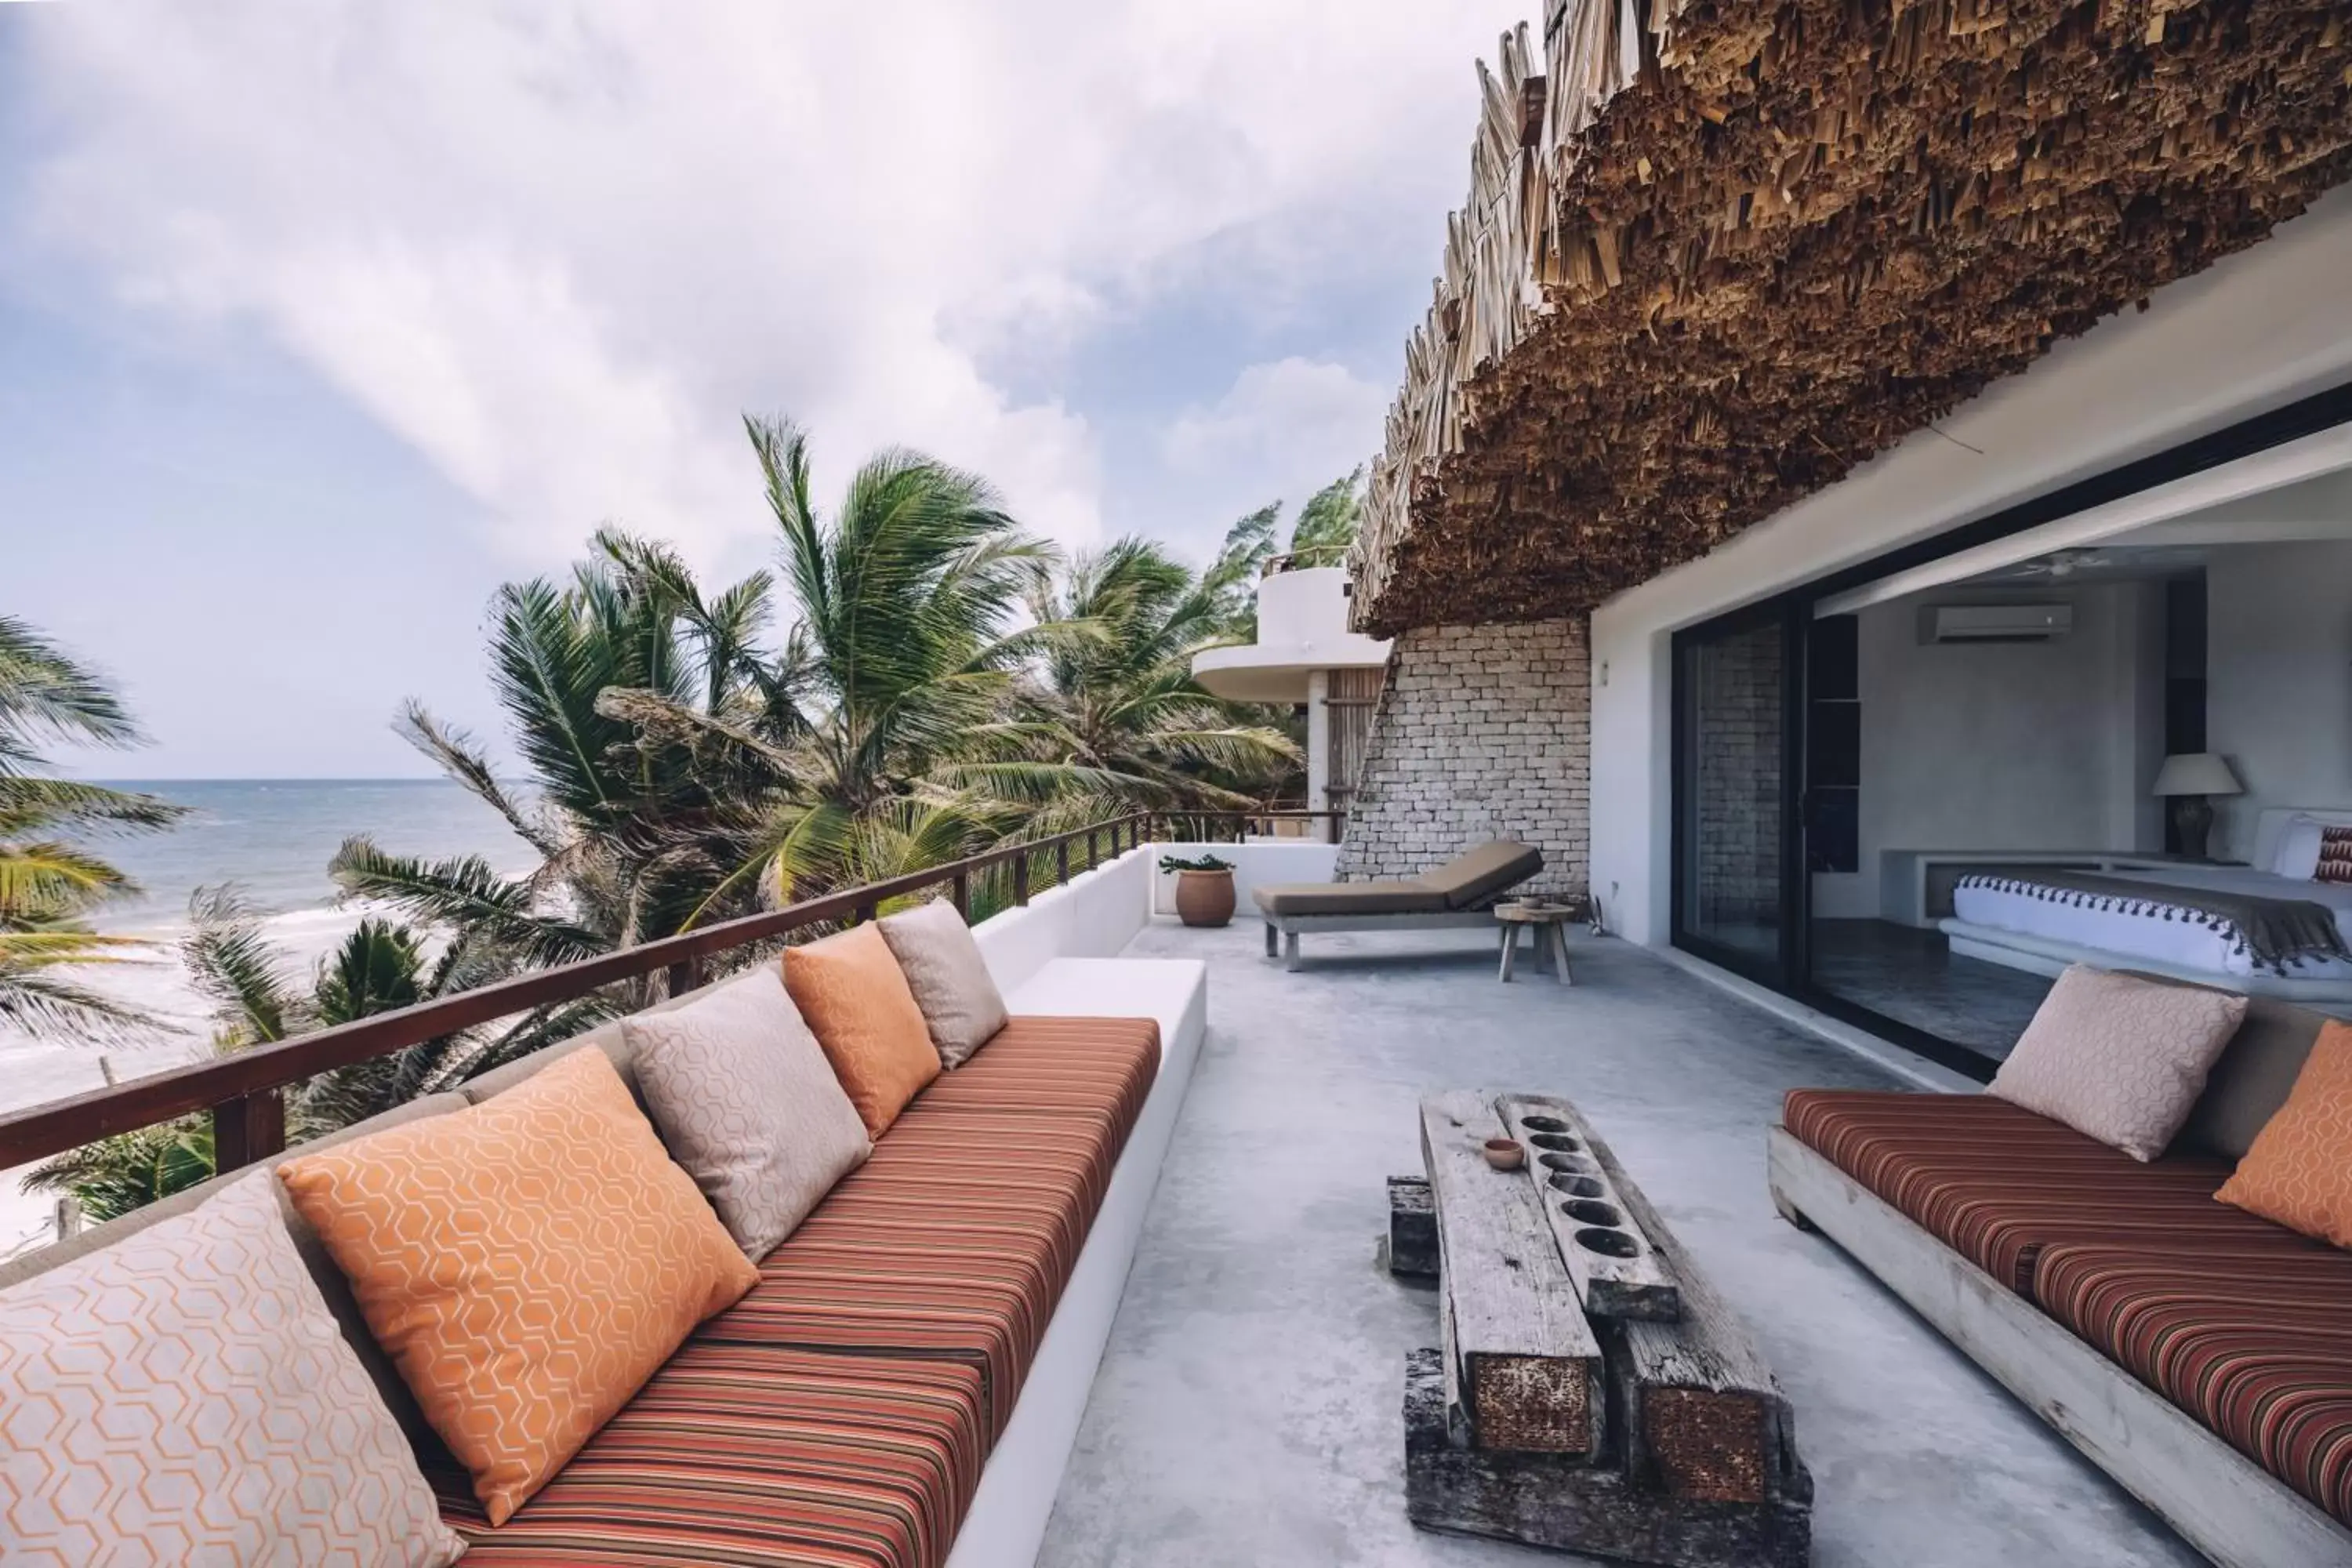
x=2008 y=919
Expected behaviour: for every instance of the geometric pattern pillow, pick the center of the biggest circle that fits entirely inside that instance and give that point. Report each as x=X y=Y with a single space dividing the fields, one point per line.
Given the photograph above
x=2119 y=1059
x=528 y=1263
x=853 y=994
x=2334 y=856
x=2298 y=1172
x=747 y=1105
x=184 y=1396
x=960 y=1003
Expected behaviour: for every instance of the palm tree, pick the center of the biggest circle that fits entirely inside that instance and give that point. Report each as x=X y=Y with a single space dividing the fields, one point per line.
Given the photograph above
x=49 y=884
x=843 y=754
x=1324 y=528
x=1114 y=719
x=631 y=837
x=257 y=998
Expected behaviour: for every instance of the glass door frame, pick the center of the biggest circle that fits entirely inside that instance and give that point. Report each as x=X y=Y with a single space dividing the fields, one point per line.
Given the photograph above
x=1790 y=970
x=1787 y=965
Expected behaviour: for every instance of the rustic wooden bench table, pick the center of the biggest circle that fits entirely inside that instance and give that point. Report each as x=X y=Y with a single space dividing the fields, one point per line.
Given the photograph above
x=1591 y=1391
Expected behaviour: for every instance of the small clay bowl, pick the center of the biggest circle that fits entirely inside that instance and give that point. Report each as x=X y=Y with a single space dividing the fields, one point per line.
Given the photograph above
x=1505 y=1154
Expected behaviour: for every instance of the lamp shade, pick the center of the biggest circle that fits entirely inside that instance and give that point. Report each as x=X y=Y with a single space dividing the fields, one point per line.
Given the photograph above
x=2197 y=773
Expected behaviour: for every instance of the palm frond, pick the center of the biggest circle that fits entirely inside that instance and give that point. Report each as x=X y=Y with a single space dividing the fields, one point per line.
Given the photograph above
x=47 y=693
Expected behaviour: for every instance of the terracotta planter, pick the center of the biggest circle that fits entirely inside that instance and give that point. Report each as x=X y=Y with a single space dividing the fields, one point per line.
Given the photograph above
x=1204 y=897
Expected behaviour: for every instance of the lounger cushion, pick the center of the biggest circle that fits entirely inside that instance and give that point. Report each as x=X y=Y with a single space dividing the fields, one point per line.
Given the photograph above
x=1997 y=1184
x=761 y=1458
x=1350 y=899
x=2252 y=1336
x=955 y=1241
x=1471 y=878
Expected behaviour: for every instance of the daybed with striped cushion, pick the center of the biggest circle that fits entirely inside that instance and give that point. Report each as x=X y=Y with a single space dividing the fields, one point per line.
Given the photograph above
x=2116 y=1298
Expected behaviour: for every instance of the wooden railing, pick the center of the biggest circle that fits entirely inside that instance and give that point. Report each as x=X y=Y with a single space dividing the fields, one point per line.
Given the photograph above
x=246 y=1092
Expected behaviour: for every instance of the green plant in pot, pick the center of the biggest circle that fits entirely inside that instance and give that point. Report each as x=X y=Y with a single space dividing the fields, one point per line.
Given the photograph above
x=1205 y=889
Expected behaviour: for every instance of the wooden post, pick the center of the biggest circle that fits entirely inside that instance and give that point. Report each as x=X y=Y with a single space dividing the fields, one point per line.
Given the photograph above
x=1413 y=1228
x=1094 y=850
x=685 y=975
x=68 y=1219
x=1061 y=862
x=961 y=891
x=250 y=1128
x=862 y=914
x=1523 y=1369
x=1020 y=878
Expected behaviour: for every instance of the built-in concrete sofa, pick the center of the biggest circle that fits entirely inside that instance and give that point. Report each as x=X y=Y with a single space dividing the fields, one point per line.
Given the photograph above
x=910 y=1371
x=2200 y=1356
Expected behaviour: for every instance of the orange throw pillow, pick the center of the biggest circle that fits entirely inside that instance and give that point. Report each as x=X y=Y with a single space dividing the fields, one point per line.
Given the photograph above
x=527 y=1263
x=856 y=999
x=2299 y=1170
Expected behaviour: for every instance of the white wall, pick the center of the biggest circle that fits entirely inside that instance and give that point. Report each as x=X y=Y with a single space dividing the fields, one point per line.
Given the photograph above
x=2257 y=330
x=1254 y=865
x=2007 y=745
x=2278 y=697
x=1095 y=914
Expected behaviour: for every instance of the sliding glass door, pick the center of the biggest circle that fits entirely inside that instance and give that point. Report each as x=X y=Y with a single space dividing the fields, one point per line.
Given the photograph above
x=1732 y=796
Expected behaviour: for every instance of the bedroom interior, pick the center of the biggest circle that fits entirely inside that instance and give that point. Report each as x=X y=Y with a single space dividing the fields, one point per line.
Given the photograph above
x=2122 y=737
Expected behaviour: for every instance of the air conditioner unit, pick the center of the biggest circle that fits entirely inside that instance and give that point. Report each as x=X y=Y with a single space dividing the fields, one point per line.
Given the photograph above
x=2000 y=623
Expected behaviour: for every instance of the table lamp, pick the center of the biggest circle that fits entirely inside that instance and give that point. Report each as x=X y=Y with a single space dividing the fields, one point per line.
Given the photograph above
x=2189 y=780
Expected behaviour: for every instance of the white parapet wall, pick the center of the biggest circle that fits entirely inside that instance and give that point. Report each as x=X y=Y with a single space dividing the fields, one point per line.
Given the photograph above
x=1093 y=915
x=1098 y=913
x=1259 y=863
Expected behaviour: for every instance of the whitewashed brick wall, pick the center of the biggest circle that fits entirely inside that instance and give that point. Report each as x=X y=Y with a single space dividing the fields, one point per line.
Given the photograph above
x=1482 y=732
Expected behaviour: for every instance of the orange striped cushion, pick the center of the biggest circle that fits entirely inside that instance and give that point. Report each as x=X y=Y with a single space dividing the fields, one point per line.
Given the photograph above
x=1098 y=1067
x=2253 y=1338
x=761 y=1458
x=527 y=1262
x=1997 y=1183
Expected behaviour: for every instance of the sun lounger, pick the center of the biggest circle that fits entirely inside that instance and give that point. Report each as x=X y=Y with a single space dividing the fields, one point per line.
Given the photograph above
x=1458 y=893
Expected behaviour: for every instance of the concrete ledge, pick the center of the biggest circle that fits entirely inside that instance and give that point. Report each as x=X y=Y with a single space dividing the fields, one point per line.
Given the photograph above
x=2222 y=1503
x=1009 y=1514
x=1908 y=1066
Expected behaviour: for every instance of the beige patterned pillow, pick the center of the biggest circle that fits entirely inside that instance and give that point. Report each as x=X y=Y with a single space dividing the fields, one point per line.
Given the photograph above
x=749 y=1105
x=2120 y=1058
x=960 y=1003
x=184 y=1396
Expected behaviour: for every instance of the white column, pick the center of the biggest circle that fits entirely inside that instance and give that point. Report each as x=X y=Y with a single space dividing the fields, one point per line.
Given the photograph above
x=1318 y=742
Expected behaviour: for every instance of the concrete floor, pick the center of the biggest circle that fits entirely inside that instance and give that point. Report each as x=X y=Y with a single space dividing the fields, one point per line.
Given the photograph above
x=1248 y=1408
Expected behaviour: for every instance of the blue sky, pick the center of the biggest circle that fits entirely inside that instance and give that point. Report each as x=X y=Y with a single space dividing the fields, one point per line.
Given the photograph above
x=318 y=322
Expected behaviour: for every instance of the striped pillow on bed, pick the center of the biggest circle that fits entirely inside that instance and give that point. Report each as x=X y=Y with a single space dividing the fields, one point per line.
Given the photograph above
x=2334 y=856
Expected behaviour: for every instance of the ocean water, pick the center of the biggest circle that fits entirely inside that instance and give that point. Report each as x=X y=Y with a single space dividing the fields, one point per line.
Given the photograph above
x=273 y=838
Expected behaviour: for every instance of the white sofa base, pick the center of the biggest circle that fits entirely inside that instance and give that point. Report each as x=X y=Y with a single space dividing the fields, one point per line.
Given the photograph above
x=1007 y=1522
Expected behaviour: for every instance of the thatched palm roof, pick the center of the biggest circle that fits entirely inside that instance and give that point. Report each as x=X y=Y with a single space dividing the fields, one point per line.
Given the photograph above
x=1716 y=254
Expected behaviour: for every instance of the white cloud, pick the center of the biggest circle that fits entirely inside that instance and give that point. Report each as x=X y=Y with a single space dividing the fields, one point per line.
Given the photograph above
x=558 y=247
x=1282 y=430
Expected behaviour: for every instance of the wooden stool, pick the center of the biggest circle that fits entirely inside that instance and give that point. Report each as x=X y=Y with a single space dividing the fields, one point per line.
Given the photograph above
x=1550 y=924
